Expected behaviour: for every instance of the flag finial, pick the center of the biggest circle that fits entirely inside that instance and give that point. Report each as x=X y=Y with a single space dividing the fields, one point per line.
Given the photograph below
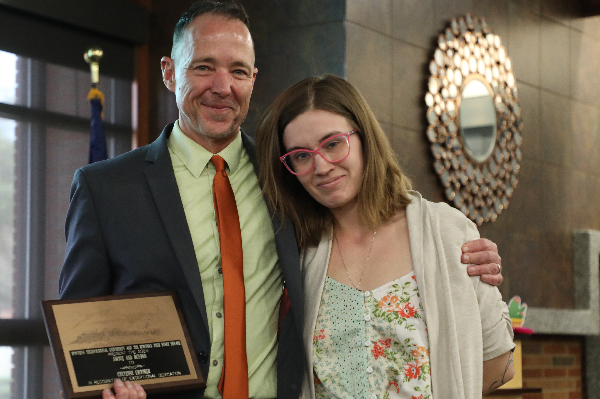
x=92 y=56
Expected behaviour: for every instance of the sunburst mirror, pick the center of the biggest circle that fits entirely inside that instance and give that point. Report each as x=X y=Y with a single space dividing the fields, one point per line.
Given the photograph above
x=474 y=119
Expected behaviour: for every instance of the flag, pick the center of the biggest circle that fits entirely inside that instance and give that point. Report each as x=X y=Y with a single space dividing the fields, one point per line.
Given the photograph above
x=97 y=138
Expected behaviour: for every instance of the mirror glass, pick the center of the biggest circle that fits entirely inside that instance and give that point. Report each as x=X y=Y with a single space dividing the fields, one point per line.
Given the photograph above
x=477 y=119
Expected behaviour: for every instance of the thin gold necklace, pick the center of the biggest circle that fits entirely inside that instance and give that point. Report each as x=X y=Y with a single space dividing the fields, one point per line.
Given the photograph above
x=366 y=261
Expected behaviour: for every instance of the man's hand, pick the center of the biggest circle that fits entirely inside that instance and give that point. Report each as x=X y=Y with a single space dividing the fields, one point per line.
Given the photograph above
x=482 y=255
x=125 y=390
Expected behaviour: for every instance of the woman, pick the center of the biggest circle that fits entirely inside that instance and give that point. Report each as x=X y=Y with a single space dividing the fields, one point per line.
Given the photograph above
x=389 y=310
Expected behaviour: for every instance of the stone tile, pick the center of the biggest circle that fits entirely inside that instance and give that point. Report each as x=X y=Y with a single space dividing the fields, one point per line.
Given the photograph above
x=523 y=260
x=556 y=65
x=585 y=63
x=445 y=10
x=412 y=149
x=369 y=68
x=499 y=232
x=542 y=236
x=556 y=125
x=585 y=189
x=561 y=10
x=524 y=207
x=260 y=14
x=372 y=14
x=409 y=85
x=293 y=55
x=413 y=22
x=588 y=25
x=541 y=262
x=585 y=138
x=387 y=129
x=289 y=56
x=556 y=278
x=496 y=14
x=524 y=42
x=286 y=14
x=530 y=102
x=532 y=5
x=556 y=199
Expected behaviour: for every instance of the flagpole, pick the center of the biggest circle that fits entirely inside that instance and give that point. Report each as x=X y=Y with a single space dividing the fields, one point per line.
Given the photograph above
x=97 y=138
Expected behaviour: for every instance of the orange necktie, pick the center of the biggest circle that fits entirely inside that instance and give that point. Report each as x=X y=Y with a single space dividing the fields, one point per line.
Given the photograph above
x=234 y=377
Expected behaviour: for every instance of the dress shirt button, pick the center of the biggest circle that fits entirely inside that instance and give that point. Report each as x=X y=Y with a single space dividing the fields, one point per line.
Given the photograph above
x=220 y=270
x=215 y=362
x=367 y=293
x=219 y=315
x=367 y=343
x=202 y=357
x=369 y=369
x=367 y=318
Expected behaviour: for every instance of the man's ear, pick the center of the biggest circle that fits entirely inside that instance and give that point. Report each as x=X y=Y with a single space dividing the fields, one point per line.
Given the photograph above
x=167 y=65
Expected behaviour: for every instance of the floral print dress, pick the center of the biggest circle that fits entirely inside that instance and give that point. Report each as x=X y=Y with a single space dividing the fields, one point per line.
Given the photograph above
x=371 y=344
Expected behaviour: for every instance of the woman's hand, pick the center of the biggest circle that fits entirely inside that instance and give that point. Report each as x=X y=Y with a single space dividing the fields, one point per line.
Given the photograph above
x=124 y=390
x=498 y=371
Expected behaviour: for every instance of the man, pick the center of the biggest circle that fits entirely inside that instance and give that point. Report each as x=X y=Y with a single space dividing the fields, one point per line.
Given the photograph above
x=145 y=221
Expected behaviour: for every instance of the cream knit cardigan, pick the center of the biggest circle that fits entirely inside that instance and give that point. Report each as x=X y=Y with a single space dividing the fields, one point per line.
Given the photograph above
x=467 y=320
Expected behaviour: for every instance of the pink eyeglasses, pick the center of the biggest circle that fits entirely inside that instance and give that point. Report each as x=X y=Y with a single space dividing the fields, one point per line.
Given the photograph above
x=334 y=149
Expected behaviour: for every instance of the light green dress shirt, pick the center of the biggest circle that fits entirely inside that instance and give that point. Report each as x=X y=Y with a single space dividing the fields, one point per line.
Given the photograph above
x=262 y=275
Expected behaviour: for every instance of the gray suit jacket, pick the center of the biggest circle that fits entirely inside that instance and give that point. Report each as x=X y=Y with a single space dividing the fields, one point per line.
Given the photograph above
x=126 y=232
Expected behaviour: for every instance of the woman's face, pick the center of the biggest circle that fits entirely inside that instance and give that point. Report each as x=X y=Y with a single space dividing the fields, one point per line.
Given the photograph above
x=332 y=184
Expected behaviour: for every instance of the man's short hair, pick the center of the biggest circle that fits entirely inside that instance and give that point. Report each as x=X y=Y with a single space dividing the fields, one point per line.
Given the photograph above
x=230 y=9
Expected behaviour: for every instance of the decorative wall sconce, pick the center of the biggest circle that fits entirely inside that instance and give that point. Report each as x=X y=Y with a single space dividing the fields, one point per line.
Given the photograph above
x=474 y=119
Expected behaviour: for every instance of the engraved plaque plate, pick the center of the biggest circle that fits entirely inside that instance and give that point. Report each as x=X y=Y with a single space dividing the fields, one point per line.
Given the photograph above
x=140 y=337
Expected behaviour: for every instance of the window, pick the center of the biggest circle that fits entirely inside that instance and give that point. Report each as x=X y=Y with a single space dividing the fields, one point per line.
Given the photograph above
x=44 y=138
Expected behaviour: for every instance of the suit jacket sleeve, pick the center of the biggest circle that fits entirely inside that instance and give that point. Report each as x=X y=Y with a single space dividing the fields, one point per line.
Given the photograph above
x=86 y=271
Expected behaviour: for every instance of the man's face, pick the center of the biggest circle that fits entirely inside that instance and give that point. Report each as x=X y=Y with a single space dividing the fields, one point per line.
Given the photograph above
x=212 y=75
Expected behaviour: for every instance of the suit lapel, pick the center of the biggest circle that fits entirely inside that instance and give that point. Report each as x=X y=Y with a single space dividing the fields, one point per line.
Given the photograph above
x=161 y=179
x=289 y=259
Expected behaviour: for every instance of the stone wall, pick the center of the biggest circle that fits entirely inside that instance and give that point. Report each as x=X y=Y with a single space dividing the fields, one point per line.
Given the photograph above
x=556 y=57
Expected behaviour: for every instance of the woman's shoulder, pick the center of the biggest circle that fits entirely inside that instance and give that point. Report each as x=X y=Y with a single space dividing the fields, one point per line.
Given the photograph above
x=440 y=213
x=438 y=208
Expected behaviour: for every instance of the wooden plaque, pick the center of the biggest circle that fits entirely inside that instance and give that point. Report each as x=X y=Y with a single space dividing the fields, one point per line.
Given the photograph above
x=141 y=338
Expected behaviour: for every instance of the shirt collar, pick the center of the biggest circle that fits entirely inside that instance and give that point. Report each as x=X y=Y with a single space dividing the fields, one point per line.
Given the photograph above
x=195 y=157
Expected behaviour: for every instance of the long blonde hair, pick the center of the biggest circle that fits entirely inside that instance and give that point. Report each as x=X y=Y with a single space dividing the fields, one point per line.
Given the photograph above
x=383 y=188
